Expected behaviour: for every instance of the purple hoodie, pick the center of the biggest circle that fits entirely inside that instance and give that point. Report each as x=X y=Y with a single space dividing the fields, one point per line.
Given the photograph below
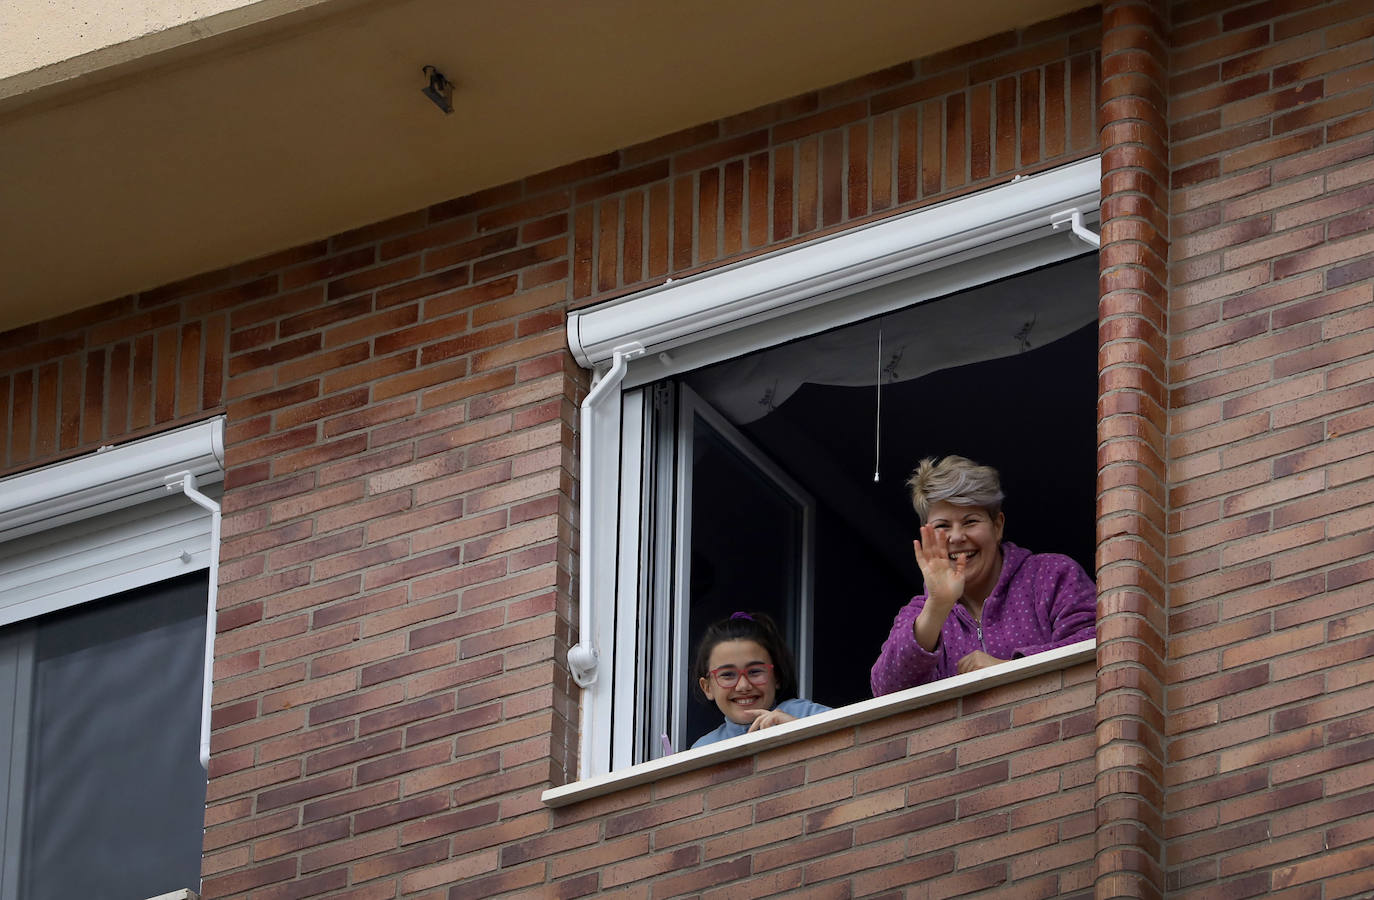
x=1041 y=601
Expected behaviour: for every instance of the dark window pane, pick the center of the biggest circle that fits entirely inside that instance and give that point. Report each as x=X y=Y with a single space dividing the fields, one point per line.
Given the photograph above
x=116 y=795
x=746 y=548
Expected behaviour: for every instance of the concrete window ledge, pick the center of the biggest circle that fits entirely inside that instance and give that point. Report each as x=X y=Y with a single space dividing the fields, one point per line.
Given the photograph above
x=844 y=717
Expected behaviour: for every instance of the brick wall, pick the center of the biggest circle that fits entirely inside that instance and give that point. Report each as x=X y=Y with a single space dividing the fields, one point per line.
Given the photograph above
x=391 y=696
x=1271 y=549
x=1132 y=327
x=901 y=137
x=989 y=793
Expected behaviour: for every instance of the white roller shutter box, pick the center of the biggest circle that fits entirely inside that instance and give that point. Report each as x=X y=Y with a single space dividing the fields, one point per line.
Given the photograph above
x=105 y=522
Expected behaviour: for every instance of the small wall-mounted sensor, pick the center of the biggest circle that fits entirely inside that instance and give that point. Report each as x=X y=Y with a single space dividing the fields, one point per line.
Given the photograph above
x=439 y=89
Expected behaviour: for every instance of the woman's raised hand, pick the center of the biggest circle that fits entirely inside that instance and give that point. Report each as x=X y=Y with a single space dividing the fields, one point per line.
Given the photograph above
x=944 y=580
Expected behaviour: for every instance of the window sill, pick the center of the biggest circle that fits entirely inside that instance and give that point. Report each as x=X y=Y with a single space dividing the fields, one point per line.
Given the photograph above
x=801 y=729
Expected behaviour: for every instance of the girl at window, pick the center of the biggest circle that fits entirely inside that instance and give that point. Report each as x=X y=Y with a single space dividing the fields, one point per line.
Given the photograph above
x=743 y=666
x=987 y=600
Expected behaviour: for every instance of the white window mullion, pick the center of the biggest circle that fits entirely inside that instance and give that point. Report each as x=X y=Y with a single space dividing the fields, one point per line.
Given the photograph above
x=623 y=668
x=660 y=621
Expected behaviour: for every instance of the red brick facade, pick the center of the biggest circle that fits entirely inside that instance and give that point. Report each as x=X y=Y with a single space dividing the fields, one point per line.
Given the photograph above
x=1131 y=477
x=391 y=691
x=1268 y=700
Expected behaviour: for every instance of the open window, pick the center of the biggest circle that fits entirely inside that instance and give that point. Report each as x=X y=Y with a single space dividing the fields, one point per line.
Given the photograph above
x=748 y=445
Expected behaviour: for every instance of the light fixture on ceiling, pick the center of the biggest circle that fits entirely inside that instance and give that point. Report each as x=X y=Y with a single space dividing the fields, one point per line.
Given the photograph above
x=439 y=89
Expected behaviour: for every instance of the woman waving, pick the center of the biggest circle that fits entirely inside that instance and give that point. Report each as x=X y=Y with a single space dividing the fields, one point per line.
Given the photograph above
x=986 y=600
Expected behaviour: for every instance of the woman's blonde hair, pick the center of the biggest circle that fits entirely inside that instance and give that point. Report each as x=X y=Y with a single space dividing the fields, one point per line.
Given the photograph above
x=958 y=480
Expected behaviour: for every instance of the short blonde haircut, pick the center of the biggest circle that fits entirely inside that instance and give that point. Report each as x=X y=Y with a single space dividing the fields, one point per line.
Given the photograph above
x=957 y=480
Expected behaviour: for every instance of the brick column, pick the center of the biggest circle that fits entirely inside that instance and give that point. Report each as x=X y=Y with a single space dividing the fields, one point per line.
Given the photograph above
x=1132 y=625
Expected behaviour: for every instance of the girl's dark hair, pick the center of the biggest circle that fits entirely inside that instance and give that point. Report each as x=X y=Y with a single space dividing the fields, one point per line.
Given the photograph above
x=762 y=630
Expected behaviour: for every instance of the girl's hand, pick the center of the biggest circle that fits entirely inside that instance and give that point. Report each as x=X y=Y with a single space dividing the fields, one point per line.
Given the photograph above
x=977 y=660
x=767 y=718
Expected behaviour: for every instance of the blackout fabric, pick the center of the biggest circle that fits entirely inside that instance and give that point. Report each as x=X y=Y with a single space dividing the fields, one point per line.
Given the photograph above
x=115 y=794
x=991 y=321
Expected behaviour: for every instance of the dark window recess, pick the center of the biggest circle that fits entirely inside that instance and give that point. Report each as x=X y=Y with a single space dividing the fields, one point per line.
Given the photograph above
x=1026 y=404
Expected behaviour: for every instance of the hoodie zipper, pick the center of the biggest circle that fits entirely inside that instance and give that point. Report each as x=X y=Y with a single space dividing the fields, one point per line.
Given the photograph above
x=978 y=625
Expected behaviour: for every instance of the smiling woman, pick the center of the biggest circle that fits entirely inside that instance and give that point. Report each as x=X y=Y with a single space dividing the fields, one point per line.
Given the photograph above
x=986 y=600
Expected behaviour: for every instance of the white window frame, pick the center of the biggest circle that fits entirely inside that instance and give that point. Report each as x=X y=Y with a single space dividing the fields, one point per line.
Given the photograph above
x=737 y=309
x=101 y=524
x=104 y=523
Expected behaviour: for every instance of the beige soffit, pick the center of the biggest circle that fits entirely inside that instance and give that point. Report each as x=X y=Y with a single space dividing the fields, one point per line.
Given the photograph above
x=276 y=123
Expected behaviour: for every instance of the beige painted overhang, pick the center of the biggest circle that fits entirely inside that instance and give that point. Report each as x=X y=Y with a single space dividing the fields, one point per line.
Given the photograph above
x=276 y=123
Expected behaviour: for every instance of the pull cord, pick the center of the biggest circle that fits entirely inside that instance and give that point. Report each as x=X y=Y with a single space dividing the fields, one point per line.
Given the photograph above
x=878 y=412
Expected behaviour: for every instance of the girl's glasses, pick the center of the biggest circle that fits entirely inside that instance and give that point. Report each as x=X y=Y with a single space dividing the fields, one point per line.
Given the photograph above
x=728 y=676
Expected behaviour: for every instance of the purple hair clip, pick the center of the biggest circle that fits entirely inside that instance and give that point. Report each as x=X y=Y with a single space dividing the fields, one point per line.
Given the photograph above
x=741 y=615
